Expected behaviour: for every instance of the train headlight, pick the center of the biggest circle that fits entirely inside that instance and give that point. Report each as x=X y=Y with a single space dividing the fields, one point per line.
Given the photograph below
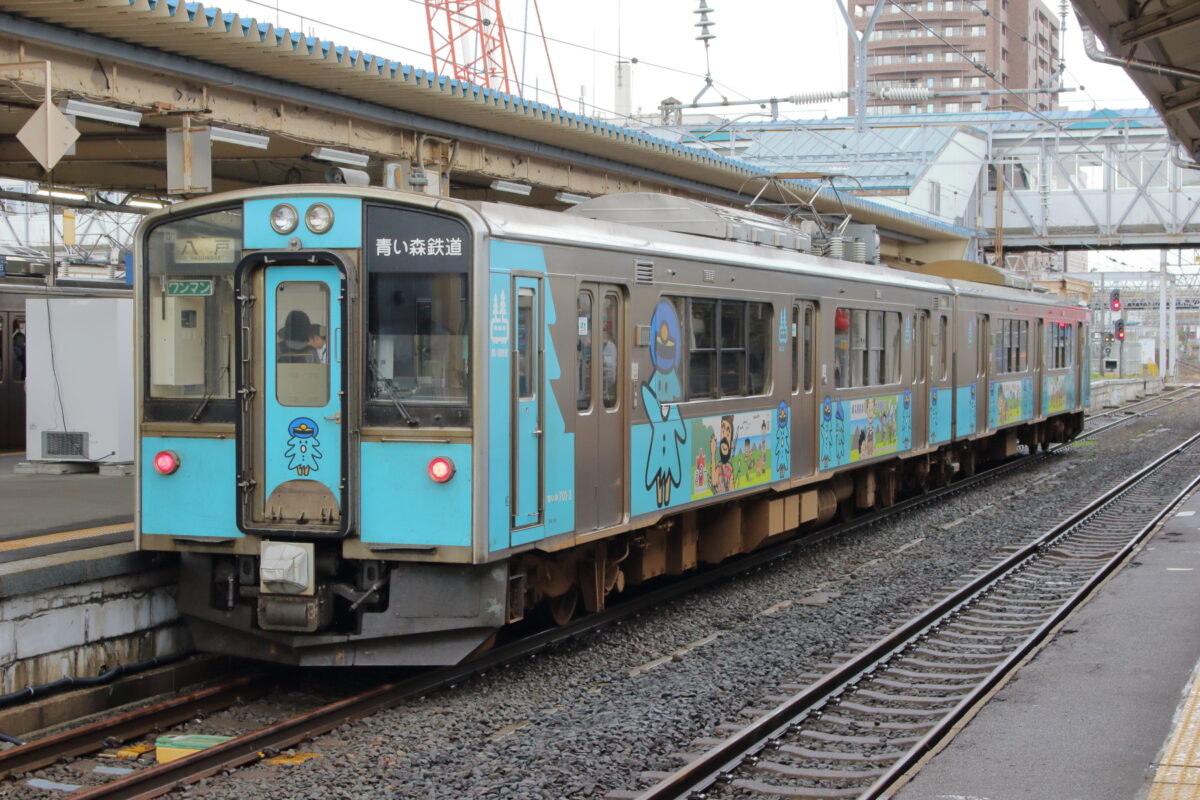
x=441 y=469
x=318 y=218
x=166 y=462
x=284 y=219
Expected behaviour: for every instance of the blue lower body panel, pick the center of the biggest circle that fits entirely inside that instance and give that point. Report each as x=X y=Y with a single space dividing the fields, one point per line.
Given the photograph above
x=198 y=499
x=402 y=505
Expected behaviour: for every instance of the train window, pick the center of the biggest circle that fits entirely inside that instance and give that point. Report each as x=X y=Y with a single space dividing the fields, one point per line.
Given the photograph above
x=702 y=348
x=841 y=347
x=729 y=347
x=733 y=348
x=892 y=350
x=809 y=333
x=583 y=348
x=526 y=347
x=190 y=307
x=1010 y=345
x=611 y=324
x=758 y=347
x=943 y=347
x=1060 y=345
x=866 y=347
x=301 y=359
x=920 y=351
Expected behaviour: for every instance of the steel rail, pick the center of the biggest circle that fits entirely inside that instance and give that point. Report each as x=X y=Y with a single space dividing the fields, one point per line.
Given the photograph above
x=975 y=698
x=727 y=756
x=158 y=780
x=123 y=727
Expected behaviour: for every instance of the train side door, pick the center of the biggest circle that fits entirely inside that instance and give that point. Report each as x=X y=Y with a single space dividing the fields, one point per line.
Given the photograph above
x=804 y=406
x=12 y=381
x=600 y=360
x=292 y=437
x=920 y=377
x=527 y=401
x=941 y=378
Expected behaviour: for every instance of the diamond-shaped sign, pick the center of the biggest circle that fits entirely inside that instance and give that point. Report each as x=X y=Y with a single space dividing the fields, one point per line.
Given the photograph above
x=48 y=135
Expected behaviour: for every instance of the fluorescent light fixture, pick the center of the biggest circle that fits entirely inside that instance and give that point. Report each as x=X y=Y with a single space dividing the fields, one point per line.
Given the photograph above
x=144 y=204
x=117 y=116
x=571 y=198
x=511 y=187
x=230 y=136
x=61 y=195
x=340 y=156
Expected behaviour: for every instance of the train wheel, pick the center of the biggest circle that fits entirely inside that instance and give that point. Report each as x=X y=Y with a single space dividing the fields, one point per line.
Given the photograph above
x=562 y=608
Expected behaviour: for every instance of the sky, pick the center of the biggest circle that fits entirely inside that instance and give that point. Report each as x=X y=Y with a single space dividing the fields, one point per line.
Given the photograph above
x=762 y=49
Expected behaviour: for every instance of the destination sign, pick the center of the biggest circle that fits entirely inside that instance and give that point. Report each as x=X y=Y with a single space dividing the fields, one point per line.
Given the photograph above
x=206 y=250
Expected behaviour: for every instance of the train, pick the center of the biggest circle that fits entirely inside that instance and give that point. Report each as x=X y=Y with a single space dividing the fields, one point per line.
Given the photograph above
x=378 y=427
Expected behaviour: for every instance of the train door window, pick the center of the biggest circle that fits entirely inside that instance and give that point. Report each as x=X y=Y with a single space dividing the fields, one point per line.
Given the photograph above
x=301 y=357
x=2 y=342
x=797 y=370
x=583 y=349
x=526 y=357
x=981 y=328
x=611 y=324
x=943 y=357
x=733 y=347
x=809 y=333
x=920 y=348
x=758 y=347
x=18 y=349
x=702 y=348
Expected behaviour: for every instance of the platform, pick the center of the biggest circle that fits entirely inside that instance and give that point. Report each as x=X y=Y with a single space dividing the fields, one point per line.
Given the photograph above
x=45 y=514
x=1093 y=715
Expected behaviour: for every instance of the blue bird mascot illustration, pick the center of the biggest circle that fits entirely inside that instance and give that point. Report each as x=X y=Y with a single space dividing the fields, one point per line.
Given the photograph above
x=303 y=450
x=664 y=463
x=783 y=442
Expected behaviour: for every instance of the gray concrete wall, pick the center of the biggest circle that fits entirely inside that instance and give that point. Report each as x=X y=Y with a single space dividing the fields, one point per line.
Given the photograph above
x=1113 y=393
x=74 y=615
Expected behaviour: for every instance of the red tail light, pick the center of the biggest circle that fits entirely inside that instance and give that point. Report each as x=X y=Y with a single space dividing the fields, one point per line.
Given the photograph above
x=166 y=462
x=441 y=469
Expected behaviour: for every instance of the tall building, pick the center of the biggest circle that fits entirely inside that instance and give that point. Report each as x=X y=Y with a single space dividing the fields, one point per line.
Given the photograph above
x=1016 y=41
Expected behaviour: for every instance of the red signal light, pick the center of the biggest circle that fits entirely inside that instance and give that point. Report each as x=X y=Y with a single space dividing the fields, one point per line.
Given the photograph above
x=441 y=469
x=166 y=462
x=1114 y=300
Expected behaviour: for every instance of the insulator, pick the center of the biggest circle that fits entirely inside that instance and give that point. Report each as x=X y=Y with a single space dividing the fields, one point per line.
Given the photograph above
x=836 y=248
x=905 y=94
x=860 y=251
x=817 y=97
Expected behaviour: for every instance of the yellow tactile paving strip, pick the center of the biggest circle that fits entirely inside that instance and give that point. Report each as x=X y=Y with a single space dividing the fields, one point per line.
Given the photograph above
x=1177 y=776
x=65 y=536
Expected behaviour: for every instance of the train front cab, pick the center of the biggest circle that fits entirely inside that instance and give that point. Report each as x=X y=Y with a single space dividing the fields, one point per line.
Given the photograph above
x=306 y=428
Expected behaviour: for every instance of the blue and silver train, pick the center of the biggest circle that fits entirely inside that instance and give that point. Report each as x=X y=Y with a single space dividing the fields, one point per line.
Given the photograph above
x=378 y=426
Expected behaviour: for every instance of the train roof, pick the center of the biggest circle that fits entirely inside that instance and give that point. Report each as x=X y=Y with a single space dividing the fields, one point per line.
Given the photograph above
x=537 y=225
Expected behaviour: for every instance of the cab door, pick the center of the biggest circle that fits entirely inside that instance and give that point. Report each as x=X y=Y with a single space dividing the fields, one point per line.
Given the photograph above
x=292 y=435
x=527 y=401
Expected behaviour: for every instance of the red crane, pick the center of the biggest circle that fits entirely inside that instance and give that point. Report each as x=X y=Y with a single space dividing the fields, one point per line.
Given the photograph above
x=469 y=41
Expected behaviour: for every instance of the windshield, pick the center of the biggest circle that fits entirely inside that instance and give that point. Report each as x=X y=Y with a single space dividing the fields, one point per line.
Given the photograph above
x=418 y=318
x=190 y=311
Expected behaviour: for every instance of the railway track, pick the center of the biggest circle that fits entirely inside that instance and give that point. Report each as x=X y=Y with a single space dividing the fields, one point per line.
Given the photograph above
x=858 y=729
x=157 y=780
